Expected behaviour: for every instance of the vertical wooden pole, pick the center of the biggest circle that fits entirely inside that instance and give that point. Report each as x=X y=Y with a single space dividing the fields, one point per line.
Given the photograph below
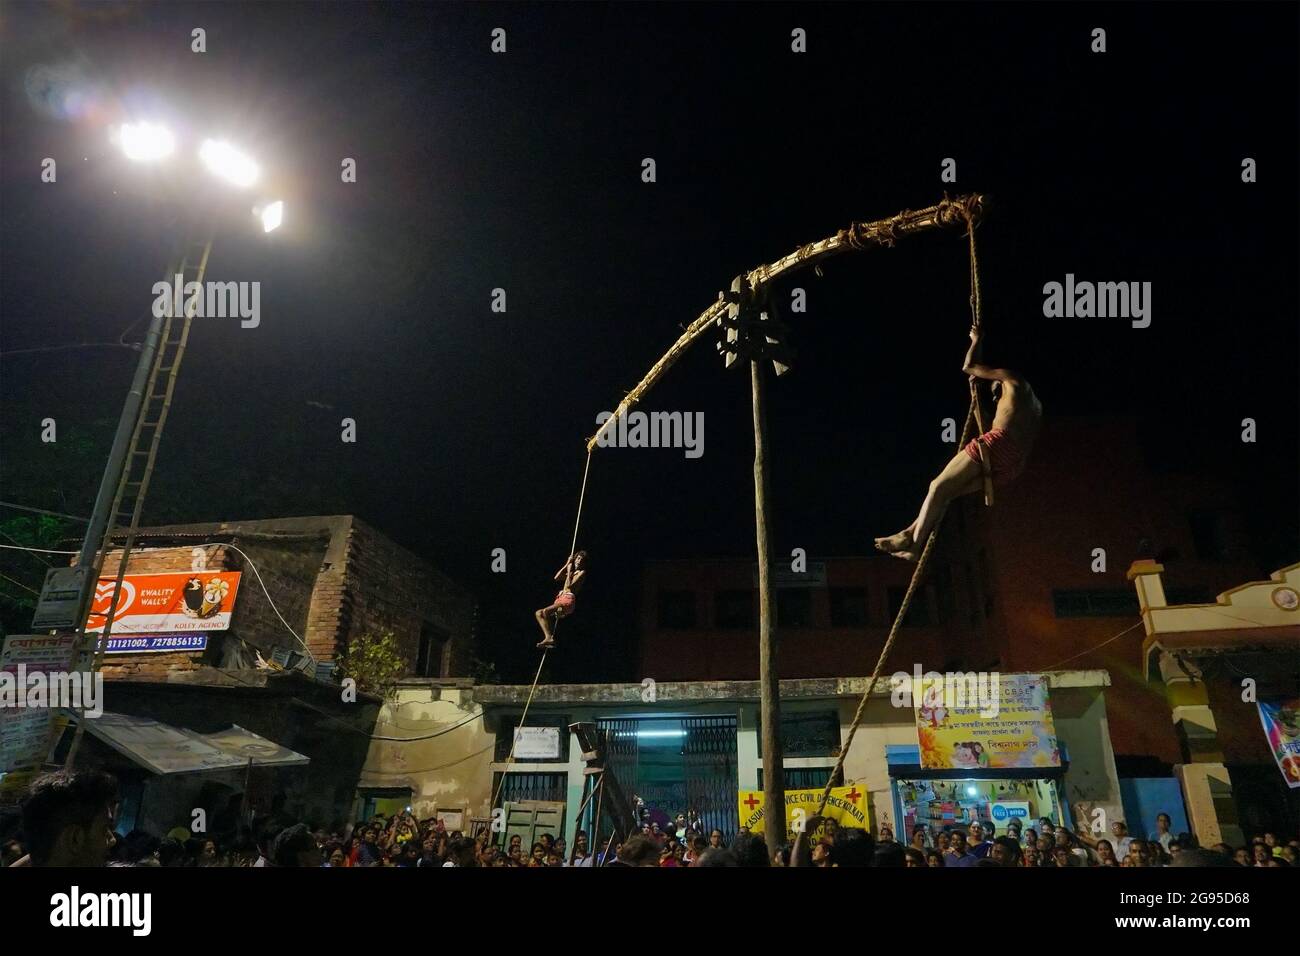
x=768 y=672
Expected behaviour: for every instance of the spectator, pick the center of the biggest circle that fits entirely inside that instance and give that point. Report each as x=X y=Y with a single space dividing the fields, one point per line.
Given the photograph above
x=889 y=854
x=821 y=853
x=1005 y=851
x=715 y=839
x=1162 y=834
x=697 y=848
x=1119 y=830
x=171 y=853
x=1080 y=854
x=67 y=819
x=463 y=853
x=958 y=852
x=979 y=840
x=295 y=847
x=1106 y=854
x=716 y=856
x=750 y=850
x=638 y=850
x=852 y=848
x=933 y=858
x=1046 y=844
x=912 y=857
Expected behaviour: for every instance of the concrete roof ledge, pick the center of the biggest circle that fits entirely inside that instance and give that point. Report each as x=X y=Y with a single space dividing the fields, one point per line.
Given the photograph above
x=674 y=692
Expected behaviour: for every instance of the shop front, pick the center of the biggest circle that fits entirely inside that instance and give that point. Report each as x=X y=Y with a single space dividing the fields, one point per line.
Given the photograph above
x=941 y=800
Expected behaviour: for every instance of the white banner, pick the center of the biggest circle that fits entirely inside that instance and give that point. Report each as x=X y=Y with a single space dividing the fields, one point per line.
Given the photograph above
x=537 y=743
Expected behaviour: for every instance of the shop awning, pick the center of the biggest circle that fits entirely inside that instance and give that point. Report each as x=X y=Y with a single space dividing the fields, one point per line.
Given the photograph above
x=165 y=749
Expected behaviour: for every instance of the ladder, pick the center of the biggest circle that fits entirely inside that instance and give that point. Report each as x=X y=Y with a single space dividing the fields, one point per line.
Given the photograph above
x=190 y=263
x=593 y=744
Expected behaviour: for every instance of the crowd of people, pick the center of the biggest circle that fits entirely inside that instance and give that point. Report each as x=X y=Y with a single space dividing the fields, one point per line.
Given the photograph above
x=68 y=820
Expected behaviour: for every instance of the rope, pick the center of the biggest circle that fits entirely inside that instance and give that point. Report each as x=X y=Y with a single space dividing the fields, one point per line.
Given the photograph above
x=975 y=320
x=568 y=576
x=510 y=759
x=582 y=496
x=889 y=643
x=972 y=416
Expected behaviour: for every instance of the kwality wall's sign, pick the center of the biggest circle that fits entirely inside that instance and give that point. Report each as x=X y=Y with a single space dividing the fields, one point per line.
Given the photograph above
x=166 y=604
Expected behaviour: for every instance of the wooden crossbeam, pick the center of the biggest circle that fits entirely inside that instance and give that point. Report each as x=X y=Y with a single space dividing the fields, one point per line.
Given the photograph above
x=858 y=235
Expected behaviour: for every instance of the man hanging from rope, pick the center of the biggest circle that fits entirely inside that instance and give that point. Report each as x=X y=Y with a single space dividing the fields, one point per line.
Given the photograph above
x=574 y=570
x=1006 y=446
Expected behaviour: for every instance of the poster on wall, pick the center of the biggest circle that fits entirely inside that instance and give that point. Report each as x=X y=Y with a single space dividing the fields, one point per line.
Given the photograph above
x=26 y=732
x=537 y=743
x=172 y=603
x=1281 y=720
x=847 y=806
x=984 y=721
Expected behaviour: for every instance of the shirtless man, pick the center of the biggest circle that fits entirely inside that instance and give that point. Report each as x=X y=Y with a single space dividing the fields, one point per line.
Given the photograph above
x=572 y=573
x=1007 y=445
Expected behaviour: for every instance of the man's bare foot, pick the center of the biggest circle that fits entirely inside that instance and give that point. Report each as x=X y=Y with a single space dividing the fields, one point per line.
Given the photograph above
x=895 y=542
x=906 y=556
x=547 y=644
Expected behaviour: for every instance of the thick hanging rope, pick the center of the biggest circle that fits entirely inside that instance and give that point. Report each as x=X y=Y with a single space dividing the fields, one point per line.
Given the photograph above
x=568 y=575
x=973 y=417
x=889 y=642
x=974 y=384
x=510 y=759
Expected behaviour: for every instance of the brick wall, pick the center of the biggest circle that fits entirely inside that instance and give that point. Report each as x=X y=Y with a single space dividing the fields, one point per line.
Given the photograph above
x=389 y=588
x=332 y=578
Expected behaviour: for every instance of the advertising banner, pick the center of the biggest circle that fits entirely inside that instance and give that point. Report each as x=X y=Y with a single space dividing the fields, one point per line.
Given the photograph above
x=1281 y=720
x=984 y=721
x=166 y=603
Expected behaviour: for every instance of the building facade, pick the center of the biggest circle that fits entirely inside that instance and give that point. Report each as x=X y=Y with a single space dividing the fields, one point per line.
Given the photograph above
x=307 y=588
x=696 y=744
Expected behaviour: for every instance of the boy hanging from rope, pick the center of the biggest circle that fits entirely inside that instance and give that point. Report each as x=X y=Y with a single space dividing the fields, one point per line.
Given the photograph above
x=574 y=570
x=1006 y=446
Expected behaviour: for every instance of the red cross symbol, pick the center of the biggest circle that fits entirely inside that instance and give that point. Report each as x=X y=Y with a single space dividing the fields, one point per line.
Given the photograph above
x=751 y=802
x=853 y=795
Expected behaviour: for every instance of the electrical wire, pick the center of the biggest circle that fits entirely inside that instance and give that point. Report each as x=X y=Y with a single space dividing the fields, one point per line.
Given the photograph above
x=1091 y=649
x=19 y=547
x=42 y=511
x=183 y=547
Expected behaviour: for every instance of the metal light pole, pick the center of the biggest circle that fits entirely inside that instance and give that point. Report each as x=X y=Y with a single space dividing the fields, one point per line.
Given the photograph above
x=140 y=425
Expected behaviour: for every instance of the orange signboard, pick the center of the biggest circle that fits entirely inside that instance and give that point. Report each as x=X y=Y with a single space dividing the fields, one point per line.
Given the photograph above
x=166 y=603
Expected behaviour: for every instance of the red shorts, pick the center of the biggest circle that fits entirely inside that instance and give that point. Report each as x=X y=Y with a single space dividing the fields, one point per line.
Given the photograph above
x=1006 y=459
x=564 y=603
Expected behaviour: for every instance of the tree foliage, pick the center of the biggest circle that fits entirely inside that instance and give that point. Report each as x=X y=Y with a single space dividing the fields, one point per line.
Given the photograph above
x=375 y=662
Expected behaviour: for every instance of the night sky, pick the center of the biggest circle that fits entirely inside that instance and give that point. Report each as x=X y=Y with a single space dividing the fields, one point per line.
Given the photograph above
x=522 y=171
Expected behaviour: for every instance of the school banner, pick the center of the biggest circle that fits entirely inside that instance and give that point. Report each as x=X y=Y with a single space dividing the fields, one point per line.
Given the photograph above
x=1281 y=720
x=984 y=721
x=847 y=806
x=166 y=603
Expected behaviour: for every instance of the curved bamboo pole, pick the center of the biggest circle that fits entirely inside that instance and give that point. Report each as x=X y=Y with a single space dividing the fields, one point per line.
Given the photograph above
x=856 y=236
